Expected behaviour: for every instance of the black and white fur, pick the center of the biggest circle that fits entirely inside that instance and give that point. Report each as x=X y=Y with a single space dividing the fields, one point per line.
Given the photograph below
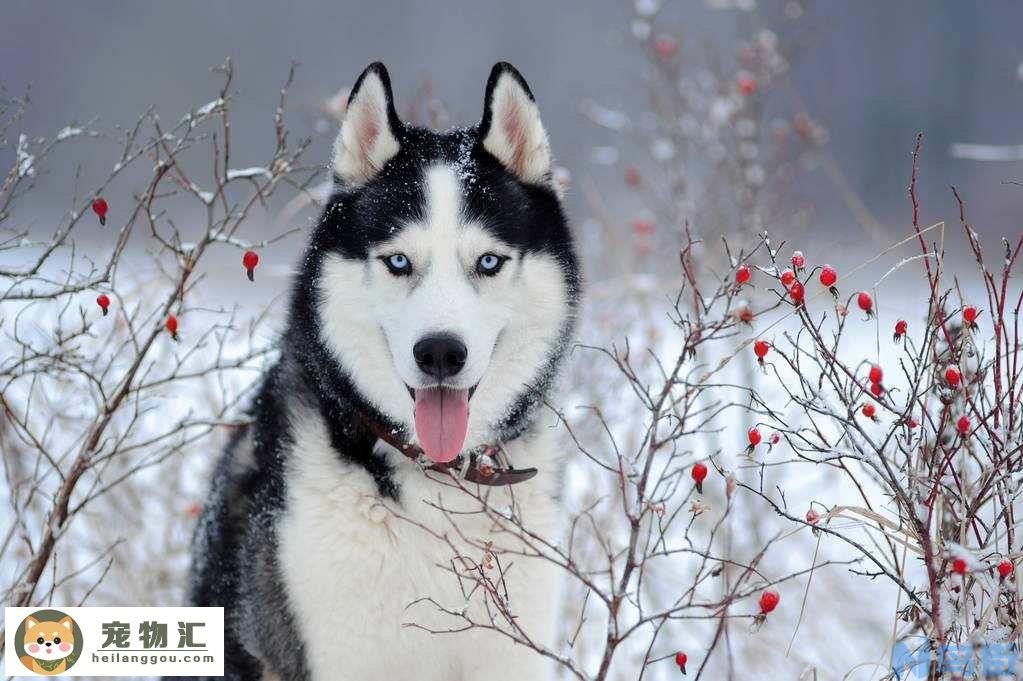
x=300 y=540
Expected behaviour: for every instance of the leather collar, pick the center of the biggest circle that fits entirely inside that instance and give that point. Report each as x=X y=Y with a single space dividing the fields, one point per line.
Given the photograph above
x=479 y=465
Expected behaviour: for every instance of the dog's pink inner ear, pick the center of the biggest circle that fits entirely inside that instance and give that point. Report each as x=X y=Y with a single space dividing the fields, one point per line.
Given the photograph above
x=366 y=141
x=367 y=135
x=516 y=136
x=513 y=132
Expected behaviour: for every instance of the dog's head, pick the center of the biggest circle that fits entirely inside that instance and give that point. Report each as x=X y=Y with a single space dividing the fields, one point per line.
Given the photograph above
x=49 y=641
x=442 y=269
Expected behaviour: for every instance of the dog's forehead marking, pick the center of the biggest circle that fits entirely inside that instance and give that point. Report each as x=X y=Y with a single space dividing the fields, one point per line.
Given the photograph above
x=443 y=198
x=445 y=236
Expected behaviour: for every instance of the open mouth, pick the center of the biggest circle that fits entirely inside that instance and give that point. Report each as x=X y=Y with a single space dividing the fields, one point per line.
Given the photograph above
x=442 y=420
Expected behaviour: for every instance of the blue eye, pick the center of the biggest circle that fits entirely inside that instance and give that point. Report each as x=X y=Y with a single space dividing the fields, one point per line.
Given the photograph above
x=398 y=264
x=489 y=264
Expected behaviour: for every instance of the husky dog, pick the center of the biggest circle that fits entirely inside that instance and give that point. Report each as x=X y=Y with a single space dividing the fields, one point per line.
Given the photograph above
x=428 y=319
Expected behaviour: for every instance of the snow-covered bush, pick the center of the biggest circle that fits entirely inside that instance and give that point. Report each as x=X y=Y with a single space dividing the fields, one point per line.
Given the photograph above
x=885 y=437
x=125 y=358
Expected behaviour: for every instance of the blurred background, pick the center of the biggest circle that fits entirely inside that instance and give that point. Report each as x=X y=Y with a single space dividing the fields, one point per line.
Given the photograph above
x=874 y=74
x=731 y=116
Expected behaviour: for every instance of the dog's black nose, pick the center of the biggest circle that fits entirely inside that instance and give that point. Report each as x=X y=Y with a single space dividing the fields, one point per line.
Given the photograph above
x=440 y=356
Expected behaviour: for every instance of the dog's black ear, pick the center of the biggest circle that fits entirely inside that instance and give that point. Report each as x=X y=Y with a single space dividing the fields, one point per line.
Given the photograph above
x=369 y=131
x=511 y=129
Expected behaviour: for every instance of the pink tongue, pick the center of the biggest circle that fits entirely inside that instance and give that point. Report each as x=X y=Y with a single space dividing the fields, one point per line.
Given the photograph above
x=442 y=419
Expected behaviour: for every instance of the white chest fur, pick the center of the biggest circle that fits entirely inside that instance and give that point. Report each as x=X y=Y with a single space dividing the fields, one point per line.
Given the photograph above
x=355 y=566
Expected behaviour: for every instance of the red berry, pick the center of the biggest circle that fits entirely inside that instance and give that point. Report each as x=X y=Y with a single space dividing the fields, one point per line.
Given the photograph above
x=900 y=330
x=775 y=438
x=172 y=326
x=249 y=262
x=746 y=84
x=699 y=473
x=1005 y=568
x=742 y=274
x=798 y=261
x=952 y=376
x=803 y=125
x=970 y=315
x=103 y=300
x=666 y=47
x=760 y=349
x=828 y=276
x=787 y=277
x=865 y=302
x=876 y=389
x=754 y=437
x=959 y=566
x=99 y=207
x=632 y=177
x=812 y=517
x=796 y=293
x=643 y=227
x=680 y=660
x=769 y=601
x=876 y=374
x=869 y=410
x=963 y=425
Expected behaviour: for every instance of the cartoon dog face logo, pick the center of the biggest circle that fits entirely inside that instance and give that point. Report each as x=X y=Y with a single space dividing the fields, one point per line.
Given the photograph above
x=50 y=642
